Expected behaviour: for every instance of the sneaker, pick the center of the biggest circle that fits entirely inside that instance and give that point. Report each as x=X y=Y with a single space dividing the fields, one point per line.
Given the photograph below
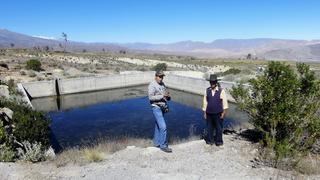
x=220 y=145
x=166 y=149
x=209 y=143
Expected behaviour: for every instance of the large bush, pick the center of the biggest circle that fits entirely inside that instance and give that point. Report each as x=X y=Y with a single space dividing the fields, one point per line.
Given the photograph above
x=233 y=71
x=160 y=67
x=283 y=104
x=30 y=125
x=26 y=125
x=34 y=64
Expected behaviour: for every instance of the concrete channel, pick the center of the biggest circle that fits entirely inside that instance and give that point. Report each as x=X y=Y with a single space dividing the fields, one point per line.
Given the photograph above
x=58 y=87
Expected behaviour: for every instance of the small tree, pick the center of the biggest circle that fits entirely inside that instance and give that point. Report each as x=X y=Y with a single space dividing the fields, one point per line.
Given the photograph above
x=60 y=46
x=34 y=64
x=160 y=67
x=65 y=37
x=46 y=48
x=249 y=56
x=122 y=52
x=283 y=104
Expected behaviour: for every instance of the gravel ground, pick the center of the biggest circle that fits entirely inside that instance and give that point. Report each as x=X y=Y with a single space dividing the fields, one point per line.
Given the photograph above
x=191 y=160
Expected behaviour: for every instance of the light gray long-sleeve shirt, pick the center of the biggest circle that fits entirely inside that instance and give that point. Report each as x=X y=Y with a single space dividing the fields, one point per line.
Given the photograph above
x=156 y=91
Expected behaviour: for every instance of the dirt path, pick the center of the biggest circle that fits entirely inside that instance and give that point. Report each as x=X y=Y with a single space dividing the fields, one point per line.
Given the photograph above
x=191 y=160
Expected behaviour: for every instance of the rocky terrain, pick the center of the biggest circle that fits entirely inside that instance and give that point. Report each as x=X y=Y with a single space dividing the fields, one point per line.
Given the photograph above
x=190 y=160
x=70 y=65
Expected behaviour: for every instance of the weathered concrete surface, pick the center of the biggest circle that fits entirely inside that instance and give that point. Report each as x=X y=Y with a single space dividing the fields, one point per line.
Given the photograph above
x=90 y=84
x=194 y=85
x=87 y=84
x=24 y=95
x=40 y=88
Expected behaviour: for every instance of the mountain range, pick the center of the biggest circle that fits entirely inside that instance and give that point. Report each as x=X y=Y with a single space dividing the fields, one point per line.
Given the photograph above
x=261 y=48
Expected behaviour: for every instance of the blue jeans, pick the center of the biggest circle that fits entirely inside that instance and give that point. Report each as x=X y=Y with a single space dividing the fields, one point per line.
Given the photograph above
x=160 y=130
x=214 y=122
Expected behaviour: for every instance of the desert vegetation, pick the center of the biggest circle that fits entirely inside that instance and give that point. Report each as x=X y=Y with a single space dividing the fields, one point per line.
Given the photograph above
x=281 y=101
x=24 y=133
x=33 y=64
x=283 y=105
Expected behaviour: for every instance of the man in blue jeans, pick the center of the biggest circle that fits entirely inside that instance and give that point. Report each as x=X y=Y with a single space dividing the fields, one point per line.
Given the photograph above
x=159 y=96
x=214 y=108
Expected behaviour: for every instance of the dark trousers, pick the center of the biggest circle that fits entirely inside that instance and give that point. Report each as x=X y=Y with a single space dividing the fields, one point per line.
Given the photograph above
x=214 y=122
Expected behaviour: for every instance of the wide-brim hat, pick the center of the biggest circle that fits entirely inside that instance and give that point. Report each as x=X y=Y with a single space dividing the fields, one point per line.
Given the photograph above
x=159 y=73
x=213 y=77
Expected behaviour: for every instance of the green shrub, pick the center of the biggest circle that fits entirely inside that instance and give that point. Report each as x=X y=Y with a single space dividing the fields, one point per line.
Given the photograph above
x=30 y=125
x=283 y=104
x=34 y=64
x=2 y=133
x=6 y=154
x=233 y=71
x=32 y=152
x=160 y=67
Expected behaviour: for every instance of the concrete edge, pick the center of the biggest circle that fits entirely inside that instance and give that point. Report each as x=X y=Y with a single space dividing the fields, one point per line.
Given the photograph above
x=25 y=96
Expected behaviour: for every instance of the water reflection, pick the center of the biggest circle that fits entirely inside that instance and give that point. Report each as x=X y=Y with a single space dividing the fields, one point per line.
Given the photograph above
x=71 y=101
x=80 y=119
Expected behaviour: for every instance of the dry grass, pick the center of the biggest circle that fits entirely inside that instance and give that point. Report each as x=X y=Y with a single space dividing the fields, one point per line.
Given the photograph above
x=70 y=156
x=103 y=147
x=98 y=151
x=93 y=155
x=309 y=165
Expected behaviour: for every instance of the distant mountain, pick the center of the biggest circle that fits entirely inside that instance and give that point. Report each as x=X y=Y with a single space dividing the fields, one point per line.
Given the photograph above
x=8 y=38
x=262 y=48
x=238 y=48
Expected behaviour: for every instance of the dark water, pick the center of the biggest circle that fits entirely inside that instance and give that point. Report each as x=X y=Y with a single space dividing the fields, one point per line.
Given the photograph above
x=81 y=119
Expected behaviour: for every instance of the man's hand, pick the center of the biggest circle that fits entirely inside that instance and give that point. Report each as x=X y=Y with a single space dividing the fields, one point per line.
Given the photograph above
x=167 y=96
x=222 y=115
x=204 y=115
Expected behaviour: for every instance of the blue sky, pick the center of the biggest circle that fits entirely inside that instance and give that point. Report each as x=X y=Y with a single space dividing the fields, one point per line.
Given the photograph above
x=162 y=21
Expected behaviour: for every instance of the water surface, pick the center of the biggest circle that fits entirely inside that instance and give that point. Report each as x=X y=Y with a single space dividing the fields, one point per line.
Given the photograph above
x=80 y=119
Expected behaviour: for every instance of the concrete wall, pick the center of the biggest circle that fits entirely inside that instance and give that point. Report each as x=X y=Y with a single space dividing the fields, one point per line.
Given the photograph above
x=87 y=84
x=24 y=95
x=40 y=88
x=194 y=85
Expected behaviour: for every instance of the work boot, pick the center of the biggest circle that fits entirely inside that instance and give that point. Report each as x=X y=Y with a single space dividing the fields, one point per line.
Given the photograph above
x=166 y=149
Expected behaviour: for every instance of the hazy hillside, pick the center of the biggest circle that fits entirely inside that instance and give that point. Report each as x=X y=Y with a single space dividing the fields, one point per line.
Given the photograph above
x=237 y=48
x=262 y=48
x=8 y=38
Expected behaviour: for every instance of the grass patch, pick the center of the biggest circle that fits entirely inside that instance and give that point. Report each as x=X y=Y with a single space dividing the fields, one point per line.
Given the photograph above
x=309 y=165
x=98 y=151
x=70 y=156
x=93 y=155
